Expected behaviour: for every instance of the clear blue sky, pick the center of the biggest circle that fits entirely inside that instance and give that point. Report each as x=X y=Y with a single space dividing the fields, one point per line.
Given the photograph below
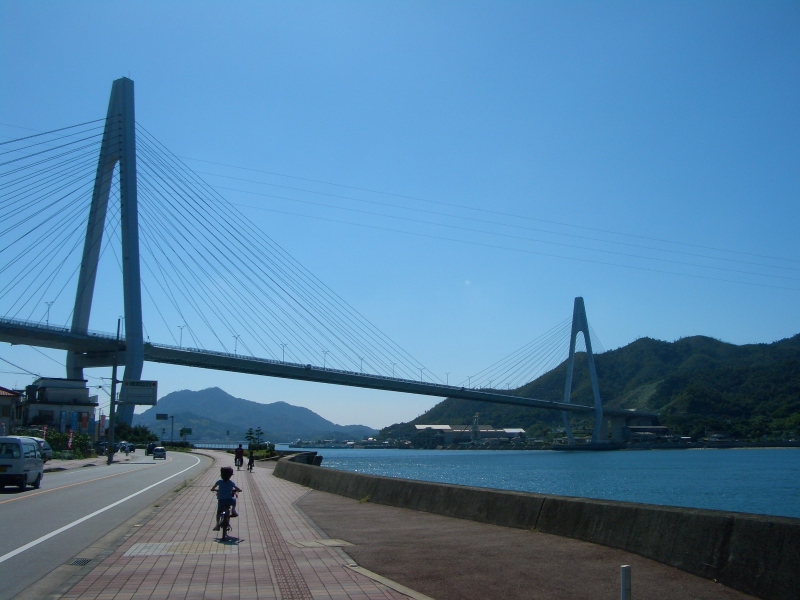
x=670 y=125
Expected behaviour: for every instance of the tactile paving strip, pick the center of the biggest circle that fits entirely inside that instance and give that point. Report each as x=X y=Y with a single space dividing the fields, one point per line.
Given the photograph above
x=291 y=584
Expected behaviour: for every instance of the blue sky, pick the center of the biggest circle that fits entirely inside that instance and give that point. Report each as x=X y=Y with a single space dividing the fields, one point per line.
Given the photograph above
x=623 y=140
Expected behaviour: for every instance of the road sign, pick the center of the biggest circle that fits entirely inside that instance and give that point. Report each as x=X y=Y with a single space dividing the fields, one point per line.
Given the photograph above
x=185 y=431
x=162 y=416
x=139 y=392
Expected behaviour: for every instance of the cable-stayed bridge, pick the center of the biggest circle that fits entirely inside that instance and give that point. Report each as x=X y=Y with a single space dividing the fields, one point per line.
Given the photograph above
x=104 y=205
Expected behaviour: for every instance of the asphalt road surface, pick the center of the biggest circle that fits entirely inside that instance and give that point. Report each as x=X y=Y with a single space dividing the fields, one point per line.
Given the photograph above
x=42 y=529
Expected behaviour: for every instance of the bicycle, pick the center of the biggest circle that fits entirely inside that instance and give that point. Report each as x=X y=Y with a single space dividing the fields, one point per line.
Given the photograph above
x=238 y=462
x=224 y=520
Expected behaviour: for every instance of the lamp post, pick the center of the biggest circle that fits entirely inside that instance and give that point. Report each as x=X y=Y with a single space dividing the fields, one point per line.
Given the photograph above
x=283 y=350
x=448 y=378
x=421 y=369
x=393 y=364
x=180 y=343
x=362 y=363
x=235 y=343
x=113 y=401
x=324 y=357
x=49 y=304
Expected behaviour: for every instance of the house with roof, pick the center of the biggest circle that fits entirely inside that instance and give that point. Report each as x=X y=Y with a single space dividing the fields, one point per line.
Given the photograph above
x=10 y=405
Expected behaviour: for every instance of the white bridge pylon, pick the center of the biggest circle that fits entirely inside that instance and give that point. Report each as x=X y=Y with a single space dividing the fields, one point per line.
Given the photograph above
x=118 y=146
x=580 y=324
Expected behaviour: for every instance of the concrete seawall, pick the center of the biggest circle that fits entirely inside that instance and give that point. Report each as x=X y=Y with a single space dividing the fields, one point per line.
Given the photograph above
x=758 y=555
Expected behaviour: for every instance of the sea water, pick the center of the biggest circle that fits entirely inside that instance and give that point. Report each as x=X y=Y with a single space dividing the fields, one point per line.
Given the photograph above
x=761 y=481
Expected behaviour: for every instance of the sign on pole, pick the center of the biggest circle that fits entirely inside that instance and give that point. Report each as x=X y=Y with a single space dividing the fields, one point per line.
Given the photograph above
x=139 y=392
x=162 y=416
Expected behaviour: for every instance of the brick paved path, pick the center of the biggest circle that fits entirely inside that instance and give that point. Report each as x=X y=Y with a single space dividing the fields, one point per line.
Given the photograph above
x=274 y=551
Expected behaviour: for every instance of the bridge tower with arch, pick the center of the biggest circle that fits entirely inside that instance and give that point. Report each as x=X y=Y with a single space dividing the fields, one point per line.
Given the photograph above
x=118 y=147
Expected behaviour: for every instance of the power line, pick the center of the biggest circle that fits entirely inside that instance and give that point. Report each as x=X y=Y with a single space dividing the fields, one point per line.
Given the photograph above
x=494 y=212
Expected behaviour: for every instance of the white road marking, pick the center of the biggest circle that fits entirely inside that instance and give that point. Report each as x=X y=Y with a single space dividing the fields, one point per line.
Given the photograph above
x=38 y=541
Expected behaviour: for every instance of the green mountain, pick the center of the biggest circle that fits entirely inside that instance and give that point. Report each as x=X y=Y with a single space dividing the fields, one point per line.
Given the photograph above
x=215 y=415
x=695 y=384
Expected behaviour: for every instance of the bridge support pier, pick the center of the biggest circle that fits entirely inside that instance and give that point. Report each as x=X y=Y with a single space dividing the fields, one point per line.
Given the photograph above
x=580 y=324
x=118 y=146
x=618 y=425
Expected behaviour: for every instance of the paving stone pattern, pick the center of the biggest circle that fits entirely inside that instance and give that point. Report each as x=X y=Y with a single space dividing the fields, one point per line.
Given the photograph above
x=274 y=551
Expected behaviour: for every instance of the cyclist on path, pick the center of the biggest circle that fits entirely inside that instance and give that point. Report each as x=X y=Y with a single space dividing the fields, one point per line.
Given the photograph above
x=226 y=490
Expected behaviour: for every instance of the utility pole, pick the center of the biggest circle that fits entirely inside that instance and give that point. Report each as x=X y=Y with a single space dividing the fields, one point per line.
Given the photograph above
x=172 y=431
x=112 y=404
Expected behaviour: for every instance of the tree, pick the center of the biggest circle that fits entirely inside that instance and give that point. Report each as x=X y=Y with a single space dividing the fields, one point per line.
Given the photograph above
x=250 y=436
x=139 y=434
x=259 y=434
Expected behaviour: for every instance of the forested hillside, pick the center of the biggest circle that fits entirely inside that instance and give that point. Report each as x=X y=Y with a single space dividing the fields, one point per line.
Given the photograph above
x=695 y=384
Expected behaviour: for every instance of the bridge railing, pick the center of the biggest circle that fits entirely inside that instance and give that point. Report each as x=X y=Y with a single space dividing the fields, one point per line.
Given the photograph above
x=107 y=336
x=58 y=329
x=307 y=366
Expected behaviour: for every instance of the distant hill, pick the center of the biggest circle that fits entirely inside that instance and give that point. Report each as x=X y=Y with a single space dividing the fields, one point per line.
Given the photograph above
x=695 y=384
x=213 y=414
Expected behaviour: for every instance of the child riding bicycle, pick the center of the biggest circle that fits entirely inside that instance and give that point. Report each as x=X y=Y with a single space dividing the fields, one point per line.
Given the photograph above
x=251 y=461
x=226 y=490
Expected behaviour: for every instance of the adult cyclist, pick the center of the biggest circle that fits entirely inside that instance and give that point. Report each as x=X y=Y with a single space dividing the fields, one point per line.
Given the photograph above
x=238 y=457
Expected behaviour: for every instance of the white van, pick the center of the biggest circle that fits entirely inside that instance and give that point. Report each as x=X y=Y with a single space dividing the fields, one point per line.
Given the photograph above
x=21 y=462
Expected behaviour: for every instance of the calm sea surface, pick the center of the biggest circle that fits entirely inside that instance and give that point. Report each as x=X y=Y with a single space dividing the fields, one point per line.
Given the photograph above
x=762 y=481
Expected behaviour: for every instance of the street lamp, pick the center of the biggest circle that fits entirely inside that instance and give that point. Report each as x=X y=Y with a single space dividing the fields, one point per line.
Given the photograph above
x=235 y=343
x=283 y=350
x=421 y=369
x=393 y=364
x=324 y=357
x=180 y=344
x=448 y=378
x=362 y=363
x=49 y=304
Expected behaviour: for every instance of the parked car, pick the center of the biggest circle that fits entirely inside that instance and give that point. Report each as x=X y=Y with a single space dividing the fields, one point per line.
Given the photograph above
x=149 y=448
x=44 y=448
x=159 y=452
x=21 y=462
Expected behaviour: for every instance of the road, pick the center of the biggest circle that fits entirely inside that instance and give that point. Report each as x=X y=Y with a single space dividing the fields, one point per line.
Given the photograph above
x=42 y=529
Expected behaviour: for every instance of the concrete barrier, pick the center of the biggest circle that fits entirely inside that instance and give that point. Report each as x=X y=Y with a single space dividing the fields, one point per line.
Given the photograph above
x=758 y=555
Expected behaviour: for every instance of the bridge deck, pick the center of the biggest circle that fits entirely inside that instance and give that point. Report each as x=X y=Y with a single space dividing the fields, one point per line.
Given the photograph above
x=99 y=349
